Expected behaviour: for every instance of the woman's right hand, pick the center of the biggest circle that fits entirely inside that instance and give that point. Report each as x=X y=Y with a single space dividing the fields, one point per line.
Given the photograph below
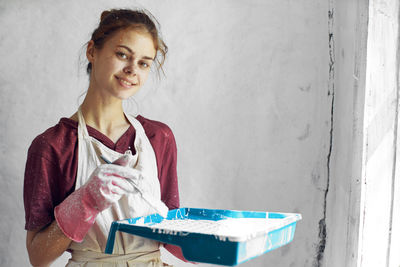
x=106 y=185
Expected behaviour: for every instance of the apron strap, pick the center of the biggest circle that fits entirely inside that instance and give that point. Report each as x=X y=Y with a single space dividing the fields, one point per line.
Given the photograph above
x=82 y=130
x=84 y=134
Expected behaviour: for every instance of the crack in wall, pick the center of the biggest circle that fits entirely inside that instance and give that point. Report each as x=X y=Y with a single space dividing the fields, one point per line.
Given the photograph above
x=331 y=92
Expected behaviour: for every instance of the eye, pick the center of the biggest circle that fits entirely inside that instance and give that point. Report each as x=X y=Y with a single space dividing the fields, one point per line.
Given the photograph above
x=144 y=65
x=121 y=55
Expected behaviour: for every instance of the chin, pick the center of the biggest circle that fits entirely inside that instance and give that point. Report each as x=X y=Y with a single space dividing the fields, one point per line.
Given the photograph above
x=127 y=95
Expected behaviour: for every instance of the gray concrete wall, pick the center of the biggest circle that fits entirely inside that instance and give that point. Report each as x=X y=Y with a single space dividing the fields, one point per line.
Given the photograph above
x=247 y=92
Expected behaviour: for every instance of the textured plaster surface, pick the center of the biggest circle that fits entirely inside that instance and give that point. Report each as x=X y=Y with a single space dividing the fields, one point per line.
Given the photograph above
x=248 y=93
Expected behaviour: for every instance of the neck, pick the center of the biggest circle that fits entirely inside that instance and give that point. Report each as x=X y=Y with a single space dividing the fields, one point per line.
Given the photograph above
x=102 y=113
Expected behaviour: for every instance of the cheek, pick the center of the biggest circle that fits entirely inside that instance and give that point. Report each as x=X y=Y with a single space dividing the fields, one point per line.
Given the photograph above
x=110 y=64
x=115 y=66
x=105 y=67
x=143 y=75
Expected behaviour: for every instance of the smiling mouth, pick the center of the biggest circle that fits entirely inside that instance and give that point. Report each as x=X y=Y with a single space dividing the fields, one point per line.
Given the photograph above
x=125 y=81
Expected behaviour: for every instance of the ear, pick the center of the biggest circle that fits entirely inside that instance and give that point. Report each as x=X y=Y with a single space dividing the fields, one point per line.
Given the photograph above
x=90 y=51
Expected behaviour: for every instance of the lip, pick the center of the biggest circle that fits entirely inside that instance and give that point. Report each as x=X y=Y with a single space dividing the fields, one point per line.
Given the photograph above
x=124 y=82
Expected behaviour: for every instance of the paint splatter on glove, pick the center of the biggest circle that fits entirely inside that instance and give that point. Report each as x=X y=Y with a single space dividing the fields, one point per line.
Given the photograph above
x=106 y=185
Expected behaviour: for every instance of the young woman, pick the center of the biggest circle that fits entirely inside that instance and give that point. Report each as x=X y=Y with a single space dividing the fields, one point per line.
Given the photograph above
x=71 y=194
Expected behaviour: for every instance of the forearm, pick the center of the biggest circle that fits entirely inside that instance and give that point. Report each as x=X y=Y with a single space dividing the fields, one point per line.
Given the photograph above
x=176 y=251
x=46 y=245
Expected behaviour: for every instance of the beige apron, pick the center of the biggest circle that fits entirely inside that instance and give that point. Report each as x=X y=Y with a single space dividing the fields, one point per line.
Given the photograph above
x=129 y=250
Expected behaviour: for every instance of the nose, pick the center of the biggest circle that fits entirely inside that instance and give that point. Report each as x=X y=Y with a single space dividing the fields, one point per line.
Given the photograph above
x=130 y=69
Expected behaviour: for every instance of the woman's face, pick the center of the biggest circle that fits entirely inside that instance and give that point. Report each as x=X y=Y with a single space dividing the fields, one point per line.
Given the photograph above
x=122 y=65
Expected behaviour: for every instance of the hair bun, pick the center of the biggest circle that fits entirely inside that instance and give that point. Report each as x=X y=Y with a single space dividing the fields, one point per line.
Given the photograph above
x=104 y=14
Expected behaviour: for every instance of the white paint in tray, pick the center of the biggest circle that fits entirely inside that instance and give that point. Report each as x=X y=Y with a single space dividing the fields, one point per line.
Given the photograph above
x=233 y=229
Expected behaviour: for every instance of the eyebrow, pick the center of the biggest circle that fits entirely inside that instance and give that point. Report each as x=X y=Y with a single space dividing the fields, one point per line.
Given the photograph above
x=130 y=50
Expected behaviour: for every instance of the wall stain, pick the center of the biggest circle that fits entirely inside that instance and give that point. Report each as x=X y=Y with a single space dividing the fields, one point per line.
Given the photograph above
x=305 y=134
x=305 y=88
x=315 y=179
x=331 y=93
x=285 y=250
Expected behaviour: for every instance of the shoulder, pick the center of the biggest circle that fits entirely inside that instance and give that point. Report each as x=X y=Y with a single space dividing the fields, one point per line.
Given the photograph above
x=156 y=129
x=55 y=139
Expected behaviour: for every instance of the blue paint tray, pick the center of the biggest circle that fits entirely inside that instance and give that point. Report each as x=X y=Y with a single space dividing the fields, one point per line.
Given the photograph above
x=223 y=237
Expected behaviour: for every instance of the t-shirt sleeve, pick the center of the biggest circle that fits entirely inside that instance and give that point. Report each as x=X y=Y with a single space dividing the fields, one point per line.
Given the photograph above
x=39 y=185
x=169 y=177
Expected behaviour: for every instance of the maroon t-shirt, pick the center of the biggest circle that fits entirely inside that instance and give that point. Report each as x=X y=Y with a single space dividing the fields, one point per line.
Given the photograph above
x=52 y=163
